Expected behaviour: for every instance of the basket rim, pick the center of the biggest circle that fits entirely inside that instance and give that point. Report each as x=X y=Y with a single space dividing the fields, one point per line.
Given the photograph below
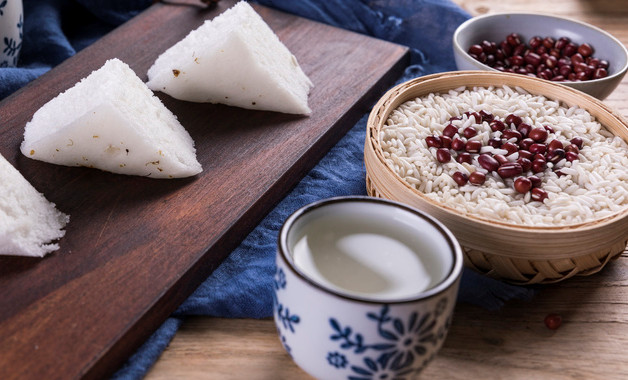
x=376 y=120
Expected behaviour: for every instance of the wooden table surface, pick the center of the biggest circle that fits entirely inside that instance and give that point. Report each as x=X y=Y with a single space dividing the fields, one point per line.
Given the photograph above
x=512 y=343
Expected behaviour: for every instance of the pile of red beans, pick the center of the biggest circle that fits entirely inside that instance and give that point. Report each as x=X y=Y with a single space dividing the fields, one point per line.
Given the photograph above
x=531 y=144
x=547 y=58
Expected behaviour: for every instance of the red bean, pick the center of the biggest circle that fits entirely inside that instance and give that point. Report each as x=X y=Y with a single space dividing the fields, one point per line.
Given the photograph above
x=538 y=134
x=457 y=144
x=525 y=143
x=600 y=73
x=548 y=129
x=464 y=157
x=486 y=116
x=523 y=185
x=450 y=130
x=443 y=155
x=501 y=159
x=497 y=125
x=434 y=141
x=525 y=163
x=525 y=154
x=513 y=119
x=539 y=166
x=477 y=178
x=487 y=162
x=511 y=133
x=536 y=181
x=577 y=141
x=495 y=142
x=533 y=59
x=572 y=148
x=553 y=145
x=538 y=194
x=585 y=50
x=556 y=155
x=535 y=42
x=469 y=132
x=446 y=141
x=572 y=156
x=510 y=147
x=513 y=39
x=537 y=148
x=460 y=178
x=524 y=129
x=473 y=146
x=475 y=49
x=509 y=170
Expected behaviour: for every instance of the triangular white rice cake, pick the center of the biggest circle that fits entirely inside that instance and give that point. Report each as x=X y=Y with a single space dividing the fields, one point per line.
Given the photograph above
x=234 y=59
x=111 y=121
x=28 y=222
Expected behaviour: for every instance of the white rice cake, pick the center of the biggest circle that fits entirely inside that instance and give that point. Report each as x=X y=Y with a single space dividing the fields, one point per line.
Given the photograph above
x=111 y=121
x=234 y=59
x=28 y=222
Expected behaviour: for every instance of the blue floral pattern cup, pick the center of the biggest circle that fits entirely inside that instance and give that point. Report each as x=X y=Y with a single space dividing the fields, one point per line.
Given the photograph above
x=11 y=25
x=365 y=316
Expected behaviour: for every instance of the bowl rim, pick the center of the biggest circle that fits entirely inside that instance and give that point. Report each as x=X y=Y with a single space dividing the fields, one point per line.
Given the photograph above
x=449 y=281
x=388 y=99
x=460 y=29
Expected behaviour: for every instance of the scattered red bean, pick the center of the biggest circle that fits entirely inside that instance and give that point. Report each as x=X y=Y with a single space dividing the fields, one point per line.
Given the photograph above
x=469 y=132
x=548 y=58
x=538 y=134
x=553 y=321
x=434 y=142
x=446 y=141
x=477 y=178
x=538 y=194
x=473 y=146
x=509 y=170
x=457 y=144
x=450 y=130
x=577 y=141
x=487 y=162
x=533 y=152
x=460 y=178
x=523 y=185
x=464 y=157
x=443 y=155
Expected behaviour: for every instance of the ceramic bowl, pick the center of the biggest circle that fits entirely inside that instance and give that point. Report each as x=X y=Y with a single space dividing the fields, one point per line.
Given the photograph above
x=364 y=288
x=495 y=27
x=11 y=25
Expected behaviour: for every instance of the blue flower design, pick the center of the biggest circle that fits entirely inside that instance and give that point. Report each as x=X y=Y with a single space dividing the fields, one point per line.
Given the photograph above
x=11 y=46
x=288 y=320
x=337 y=359
x=280 y=279
x=2 y=5
x=403 y=343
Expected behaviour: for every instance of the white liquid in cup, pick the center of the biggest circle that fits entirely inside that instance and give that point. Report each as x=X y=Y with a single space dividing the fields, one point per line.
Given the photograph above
x=371 y=250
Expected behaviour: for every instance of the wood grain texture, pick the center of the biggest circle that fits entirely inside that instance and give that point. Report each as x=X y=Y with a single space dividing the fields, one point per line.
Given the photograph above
x=510 y=344
x=135 y=248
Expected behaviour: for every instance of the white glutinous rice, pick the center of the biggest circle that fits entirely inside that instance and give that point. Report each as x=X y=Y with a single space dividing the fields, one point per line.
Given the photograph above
x=589 y=188
x=234 y=59
x=111 y=121
x=29 y=223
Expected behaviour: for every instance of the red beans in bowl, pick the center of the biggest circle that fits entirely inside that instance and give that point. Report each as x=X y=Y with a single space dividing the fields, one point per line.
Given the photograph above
x=547 y=58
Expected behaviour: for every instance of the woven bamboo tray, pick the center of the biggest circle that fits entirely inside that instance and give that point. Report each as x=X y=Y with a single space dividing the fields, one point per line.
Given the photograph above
x=519 y=254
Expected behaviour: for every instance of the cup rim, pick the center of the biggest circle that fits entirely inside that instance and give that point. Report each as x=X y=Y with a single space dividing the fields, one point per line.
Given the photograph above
x=452 y=276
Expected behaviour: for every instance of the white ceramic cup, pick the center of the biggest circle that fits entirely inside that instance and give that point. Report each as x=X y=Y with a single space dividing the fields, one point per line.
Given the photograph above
x=11 y=25
x=364 y=288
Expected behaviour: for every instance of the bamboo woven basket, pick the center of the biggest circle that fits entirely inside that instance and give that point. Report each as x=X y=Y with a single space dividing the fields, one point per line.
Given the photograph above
x=519 y=254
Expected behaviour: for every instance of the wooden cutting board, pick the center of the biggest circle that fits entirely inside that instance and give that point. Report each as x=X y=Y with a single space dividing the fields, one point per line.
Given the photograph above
x=135 y=248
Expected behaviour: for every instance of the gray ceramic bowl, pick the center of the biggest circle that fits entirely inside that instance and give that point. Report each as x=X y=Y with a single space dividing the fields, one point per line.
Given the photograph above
x=495 y=27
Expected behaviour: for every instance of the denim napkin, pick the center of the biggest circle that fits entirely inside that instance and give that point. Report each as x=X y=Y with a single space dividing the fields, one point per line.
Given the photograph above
x=242 y=285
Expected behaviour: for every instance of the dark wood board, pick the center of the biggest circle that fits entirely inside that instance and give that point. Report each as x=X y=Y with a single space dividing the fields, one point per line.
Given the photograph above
x=135 y=248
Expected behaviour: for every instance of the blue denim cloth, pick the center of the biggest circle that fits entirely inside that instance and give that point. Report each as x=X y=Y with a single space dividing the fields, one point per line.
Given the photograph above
x=242 y=285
